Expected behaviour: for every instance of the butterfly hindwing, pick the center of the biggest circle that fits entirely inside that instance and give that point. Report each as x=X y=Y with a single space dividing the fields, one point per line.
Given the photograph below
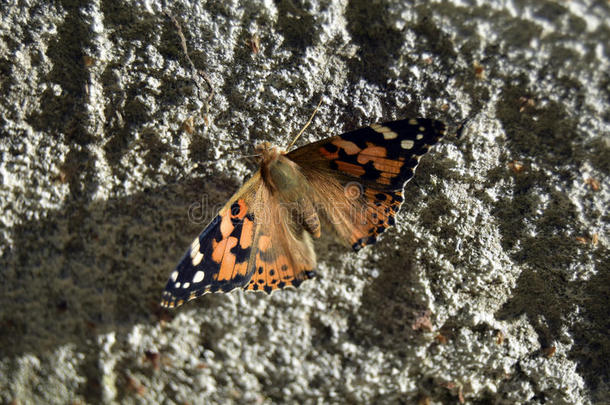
x=284 y=254
x=364 y=172
x=275 y=268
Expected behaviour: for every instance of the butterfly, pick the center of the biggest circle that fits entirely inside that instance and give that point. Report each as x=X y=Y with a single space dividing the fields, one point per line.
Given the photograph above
x=261 y=240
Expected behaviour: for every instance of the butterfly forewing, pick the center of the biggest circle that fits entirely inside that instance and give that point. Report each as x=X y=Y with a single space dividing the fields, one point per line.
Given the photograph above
x=381 y=155
x=359 y=176
x=218 y=259
x=251 y=244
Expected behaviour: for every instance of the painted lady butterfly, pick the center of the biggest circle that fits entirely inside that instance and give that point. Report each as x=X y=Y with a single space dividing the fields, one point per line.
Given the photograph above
x=262 y=238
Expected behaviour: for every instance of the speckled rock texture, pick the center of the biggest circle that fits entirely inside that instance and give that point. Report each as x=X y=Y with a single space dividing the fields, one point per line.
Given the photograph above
x=493 y=288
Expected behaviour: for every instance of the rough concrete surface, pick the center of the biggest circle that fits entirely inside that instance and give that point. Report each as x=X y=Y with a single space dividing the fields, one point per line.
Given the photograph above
x=493 y=288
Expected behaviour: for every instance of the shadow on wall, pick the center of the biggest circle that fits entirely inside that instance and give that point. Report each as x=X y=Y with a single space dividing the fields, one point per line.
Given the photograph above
x=84 y=271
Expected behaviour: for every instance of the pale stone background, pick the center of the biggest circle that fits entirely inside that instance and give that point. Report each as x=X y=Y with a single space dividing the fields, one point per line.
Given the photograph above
x=489 y=289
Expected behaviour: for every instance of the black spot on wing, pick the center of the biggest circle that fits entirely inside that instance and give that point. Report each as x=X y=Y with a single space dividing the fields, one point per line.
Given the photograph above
x=331 y=148
x=370 y=172
x=241 y=254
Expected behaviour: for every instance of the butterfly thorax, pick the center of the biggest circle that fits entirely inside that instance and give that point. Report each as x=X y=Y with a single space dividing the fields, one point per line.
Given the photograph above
x=267 y=152
x=277 y=171
x=286 y=182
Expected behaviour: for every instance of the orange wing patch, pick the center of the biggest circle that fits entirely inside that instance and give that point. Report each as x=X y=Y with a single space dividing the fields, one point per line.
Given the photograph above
x=355 y=170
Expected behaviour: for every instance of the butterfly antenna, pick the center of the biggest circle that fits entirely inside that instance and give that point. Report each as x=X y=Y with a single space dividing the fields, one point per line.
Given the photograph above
x=306 y=125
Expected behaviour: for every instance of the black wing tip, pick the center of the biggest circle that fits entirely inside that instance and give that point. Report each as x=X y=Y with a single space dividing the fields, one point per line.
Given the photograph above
x=170 y=301
x=428 y=126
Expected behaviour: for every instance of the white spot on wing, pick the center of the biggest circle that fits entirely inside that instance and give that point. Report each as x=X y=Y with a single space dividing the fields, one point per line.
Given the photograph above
x=197 y=258
x=413 y=121
x=419 y=136
x=177 y=285
x=186 y=285
x=406 y=144
x=387 y=132
x=198 y=277
x=195 y=244
x=174 y=275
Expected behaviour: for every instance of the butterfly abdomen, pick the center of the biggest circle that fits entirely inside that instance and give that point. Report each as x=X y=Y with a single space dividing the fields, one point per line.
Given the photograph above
x=310 y=219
